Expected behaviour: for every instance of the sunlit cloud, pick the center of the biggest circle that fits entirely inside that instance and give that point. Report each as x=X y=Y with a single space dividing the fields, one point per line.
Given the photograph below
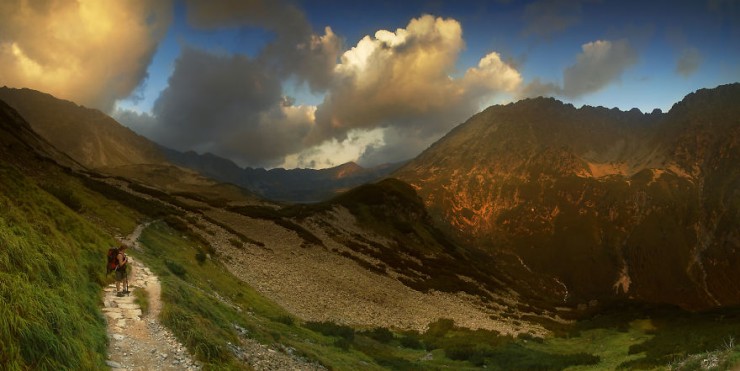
x=91 y=52
x=402 y=79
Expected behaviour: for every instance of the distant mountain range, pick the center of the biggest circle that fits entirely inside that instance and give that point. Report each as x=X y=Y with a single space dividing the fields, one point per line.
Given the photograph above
x=97 y=141
x=295 y=185
x=575 y=205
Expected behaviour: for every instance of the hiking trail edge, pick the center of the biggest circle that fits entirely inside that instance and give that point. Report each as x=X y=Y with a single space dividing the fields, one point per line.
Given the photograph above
x=138 y=341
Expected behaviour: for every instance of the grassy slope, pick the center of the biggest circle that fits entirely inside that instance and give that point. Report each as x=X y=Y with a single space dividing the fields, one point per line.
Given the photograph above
x=51 y=272
x=51 y=276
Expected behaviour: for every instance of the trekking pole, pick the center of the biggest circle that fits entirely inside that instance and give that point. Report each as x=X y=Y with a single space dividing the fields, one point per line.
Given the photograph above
x=126 y=267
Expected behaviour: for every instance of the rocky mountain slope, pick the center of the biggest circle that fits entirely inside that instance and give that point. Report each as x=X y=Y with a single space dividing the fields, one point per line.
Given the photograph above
x=595 y=204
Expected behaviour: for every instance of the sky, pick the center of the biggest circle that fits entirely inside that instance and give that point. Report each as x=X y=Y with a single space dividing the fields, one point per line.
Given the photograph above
x=314 y=84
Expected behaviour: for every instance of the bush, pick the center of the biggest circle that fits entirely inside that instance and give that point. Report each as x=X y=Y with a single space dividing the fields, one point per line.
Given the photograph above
x=380 y=334
x=285 y=319
x=176 y=269
x=200 y=256
x=411 y=342
x=342 y=343
x=65 y=196
x=332 y=329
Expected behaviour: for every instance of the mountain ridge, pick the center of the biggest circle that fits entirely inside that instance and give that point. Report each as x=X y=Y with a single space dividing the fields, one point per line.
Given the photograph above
x=99 y=142
x=581 y=196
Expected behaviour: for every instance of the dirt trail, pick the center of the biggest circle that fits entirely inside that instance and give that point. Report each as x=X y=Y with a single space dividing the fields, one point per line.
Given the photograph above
x=137 y=340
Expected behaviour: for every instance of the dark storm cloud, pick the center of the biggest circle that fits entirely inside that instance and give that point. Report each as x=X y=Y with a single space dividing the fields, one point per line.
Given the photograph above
x=226 y=104
x=296 y=49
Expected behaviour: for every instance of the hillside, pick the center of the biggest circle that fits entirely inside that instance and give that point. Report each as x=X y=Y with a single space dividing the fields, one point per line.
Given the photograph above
x=89 y=136
x=365 y=280
x=595 y=205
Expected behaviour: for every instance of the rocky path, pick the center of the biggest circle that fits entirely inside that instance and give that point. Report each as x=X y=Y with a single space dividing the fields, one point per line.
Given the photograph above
x=137 y=340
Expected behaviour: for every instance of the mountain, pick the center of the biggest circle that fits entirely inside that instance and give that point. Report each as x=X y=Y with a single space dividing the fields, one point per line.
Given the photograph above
x=97 y=141
x=295 y=185
x=585 y=205
x=89 y=136
x=19 y=143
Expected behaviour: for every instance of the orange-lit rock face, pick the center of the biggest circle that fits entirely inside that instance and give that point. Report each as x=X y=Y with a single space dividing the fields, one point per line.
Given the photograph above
x=610 y=204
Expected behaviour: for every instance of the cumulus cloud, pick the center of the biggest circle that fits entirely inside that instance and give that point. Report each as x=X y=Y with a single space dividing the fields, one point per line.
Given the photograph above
x=688 y=62
x=403 y=79
x=91 y=52
x=600 y=63
x=297 y=49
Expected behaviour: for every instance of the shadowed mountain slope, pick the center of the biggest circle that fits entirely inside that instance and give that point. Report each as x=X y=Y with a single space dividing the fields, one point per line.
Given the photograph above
x=592 y=203
x=89 y=136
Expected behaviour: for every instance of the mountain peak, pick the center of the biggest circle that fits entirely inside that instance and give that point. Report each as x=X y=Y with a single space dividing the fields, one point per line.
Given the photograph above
x=347 y=169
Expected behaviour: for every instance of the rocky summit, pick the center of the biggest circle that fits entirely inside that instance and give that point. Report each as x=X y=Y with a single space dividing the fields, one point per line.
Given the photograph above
x=589 y=205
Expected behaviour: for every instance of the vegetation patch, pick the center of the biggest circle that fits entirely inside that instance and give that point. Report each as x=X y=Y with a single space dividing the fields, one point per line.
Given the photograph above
x=141 y=297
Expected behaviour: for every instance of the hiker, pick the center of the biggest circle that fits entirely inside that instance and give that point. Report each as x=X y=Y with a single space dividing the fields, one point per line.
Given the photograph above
x=121 y=269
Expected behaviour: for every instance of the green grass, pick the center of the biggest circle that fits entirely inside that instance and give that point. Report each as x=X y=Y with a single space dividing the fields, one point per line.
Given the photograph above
x=205 y=306
x=51 y=275
x=206 y=322
x=141 y=297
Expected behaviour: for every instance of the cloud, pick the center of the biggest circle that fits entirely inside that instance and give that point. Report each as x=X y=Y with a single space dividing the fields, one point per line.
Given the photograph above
x=297 y=49
x=599 y=64
x=229 y=105
x=333 y=152
x=403 y=79
x=688 y=62
x=544 y=18
x=393 y=84
x=91 y=52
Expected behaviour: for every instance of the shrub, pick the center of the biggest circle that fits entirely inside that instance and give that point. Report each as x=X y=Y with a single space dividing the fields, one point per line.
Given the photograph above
x=332 y=329
x=411 y=342
x=65 y=196
x=175 y=268
x=342 y=343
x=285 y=319
x=380 y=334
x=200 y=256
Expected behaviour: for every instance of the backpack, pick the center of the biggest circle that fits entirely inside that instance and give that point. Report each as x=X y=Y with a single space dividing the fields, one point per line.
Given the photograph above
x=112 y=260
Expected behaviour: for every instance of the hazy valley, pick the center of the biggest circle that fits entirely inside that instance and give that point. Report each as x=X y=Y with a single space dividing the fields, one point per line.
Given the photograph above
x=526 y=238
